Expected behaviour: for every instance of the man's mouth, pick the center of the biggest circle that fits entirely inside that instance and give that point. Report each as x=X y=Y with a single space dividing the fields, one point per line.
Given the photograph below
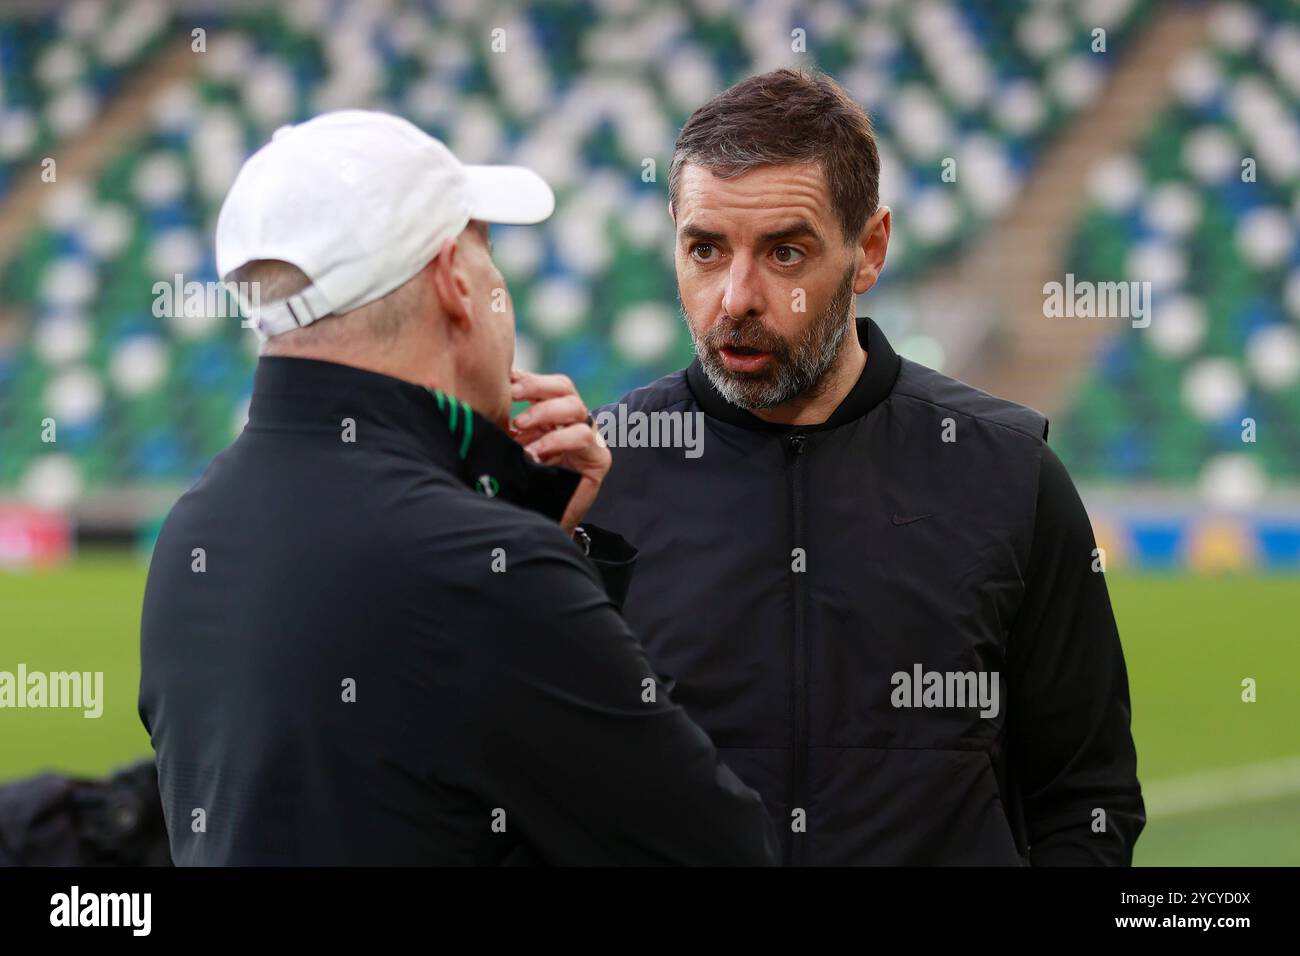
x=740 y=358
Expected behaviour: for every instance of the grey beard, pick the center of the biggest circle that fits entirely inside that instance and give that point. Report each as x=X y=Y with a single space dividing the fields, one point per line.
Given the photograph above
x=802 y=374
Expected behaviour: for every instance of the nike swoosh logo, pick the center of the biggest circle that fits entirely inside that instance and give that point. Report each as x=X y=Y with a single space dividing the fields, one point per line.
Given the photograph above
x=901 y=519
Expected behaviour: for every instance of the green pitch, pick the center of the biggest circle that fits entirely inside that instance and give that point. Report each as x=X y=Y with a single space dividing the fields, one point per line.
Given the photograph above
x=1206 y=758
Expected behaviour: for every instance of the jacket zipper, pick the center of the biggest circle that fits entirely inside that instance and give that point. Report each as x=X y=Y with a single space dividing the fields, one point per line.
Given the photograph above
x=798 y=844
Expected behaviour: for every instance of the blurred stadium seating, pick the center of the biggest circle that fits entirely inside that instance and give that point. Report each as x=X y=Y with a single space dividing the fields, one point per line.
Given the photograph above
x=592 y=95
x=1223 y=257
x=57 y=71
x=586 y=100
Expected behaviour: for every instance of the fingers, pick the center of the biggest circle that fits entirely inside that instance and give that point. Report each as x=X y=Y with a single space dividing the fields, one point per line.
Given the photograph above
x=556 y=430
x=552 y=413
x=581 y=445
x=534 y=387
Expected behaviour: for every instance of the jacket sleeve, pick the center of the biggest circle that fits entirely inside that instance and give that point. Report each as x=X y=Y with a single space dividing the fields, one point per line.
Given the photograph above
x=575 y=739
x=1068 y=721
x=614 y=560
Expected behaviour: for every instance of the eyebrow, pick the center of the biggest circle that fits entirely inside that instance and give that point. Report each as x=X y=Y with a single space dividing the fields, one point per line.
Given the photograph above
x=698 y=232
x=795 y=230
x=801 y=227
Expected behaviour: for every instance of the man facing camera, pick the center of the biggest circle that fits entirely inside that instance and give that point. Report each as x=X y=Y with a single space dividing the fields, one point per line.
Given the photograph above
x=368 y=636
x=872 y=584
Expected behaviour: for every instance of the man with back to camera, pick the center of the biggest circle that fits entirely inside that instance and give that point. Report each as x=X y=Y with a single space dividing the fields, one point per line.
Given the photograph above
x=365 y=637
x=872 y=584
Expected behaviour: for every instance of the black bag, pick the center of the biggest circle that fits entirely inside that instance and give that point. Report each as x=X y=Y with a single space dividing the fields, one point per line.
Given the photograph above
x=53 y=820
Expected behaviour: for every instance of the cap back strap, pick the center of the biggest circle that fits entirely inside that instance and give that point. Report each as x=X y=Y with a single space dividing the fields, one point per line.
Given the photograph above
x=297 y=311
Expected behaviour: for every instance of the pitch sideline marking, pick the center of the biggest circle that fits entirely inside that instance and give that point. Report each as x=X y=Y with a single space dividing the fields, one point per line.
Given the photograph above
x=1230 y=786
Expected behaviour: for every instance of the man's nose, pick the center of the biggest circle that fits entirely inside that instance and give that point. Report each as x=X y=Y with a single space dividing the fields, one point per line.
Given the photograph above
x=743 y=295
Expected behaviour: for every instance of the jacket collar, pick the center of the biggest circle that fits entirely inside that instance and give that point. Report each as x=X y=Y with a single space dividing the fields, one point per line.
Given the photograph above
x=873 y=385
x=391 y=415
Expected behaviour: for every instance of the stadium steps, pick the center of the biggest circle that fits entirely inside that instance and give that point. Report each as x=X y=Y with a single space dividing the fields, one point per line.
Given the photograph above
x=993 y=297
x=128 y=116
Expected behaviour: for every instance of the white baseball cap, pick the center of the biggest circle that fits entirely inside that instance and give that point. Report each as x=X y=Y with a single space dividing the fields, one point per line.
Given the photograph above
x=360 y=201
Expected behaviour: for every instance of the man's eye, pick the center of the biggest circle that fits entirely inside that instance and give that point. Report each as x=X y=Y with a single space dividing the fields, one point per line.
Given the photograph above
x=787 y=255
x=703 y=251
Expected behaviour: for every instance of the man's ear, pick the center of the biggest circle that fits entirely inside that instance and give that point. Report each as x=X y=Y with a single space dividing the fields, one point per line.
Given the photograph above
x=451 y=287
x=872 y=244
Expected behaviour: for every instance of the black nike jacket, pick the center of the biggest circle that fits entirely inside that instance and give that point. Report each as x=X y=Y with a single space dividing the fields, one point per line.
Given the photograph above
x=893 y=625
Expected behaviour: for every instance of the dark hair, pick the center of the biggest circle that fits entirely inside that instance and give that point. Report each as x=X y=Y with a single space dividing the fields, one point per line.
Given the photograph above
x=787 y=116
